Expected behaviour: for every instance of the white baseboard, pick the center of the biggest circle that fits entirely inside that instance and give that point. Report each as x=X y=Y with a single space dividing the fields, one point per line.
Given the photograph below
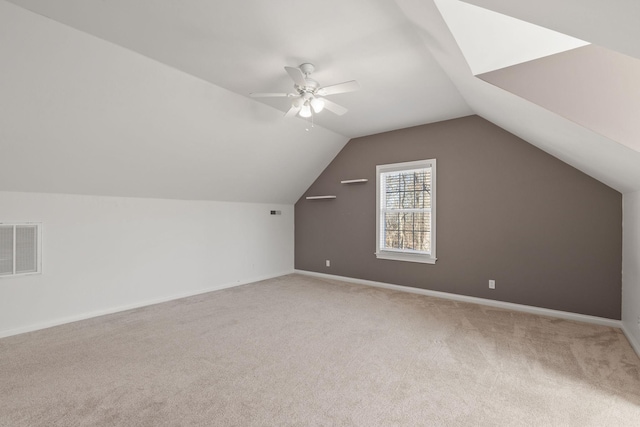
x=111 y=310
x=635 y=344
x=474 y=300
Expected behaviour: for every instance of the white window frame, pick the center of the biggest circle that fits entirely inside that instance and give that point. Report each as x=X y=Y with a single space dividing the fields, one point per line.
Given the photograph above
x=38 y=226
x=406 y=254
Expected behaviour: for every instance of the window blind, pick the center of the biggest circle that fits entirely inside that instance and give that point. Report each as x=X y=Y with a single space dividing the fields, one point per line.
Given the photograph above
x=406 y=210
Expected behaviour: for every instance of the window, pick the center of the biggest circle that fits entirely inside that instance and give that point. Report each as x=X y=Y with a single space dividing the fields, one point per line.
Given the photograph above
x=406 y=211
x=20 y=245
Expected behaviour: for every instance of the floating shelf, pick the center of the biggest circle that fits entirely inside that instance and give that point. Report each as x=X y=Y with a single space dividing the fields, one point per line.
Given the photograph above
x=354 y=181
x=320 y=197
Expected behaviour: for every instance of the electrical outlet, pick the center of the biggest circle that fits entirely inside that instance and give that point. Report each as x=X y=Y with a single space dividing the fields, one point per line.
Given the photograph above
x=328 y=263
x=638 y=321
x=492 y=284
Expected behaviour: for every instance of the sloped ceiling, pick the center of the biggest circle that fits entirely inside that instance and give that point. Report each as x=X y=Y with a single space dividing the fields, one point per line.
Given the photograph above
x=243 y=46
x=80 y=115
x=612 y=24
x=150 y=98
x=592 y=86
x=491 y=40
x=595 y=153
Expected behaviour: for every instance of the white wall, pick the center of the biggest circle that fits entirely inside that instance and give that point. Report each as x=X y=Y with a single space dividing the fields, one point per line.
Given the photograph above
x=105 y=254
x=631 y=268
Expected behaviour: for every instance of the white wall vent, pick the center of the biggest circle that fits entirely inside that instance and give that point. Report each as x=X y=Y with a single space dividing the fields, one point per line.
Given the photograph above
x=20 y=248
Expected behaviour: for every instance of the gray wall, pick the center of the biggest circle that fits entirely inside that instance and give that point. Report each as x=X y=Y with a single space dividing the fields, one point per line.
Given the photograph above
x=548 y=234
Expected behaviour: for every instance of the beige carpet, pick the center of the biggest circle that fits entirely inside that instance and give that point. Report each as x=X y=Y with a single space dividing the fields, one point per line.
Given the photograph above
x=304 y=351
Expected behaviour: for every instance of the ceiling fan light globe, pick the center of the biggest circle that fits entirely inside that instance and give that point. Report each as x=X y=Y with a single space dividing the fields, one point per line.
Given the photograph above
x=317 y=104
x=305 y=111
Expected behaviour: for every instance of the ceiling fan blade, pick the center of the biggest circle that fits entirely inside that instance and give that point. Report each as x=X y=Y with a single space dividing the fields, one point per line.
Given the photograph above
x=292 y=111
x=333 y=107
x=269 y=95
x=297 y=76
x=349 y=86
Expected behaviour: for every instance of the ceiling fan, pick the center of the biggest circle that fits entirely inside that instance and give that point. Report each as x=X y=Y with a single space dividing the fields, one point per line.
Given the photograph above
x=309 y=97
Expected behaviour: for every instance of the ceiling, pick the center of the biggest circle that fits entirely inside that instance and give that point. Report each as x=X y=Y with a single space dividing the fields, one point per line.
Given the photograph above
x=550 y=125
x=243 y=46
x=150 y=98
x=490 y=41
x=612 y=24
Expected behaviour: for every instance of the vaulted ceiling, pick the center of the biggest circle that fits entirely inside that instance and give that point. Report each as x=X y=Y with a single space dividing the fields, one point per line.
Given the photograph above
x=150 y=98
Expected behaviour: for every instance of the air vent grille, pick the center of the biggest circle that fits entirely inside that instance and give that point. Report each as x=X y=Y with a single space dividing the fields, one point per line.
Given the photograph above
x=20 y=248
x=6 y=250
x=26 y=249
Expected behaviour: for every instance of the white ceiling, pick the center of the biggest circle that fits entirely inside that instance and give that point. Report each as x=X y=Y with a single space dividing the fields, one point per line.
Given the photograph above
x=614 y=24
x=598 y=155
x=150 y=98
x=243 y=46
x=491 y=40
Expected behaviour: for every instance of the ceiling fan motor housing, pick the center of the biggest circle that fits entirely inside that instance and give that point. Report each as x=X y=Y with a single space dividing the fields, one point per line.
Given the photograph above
x=307 y=68
x=311 y=86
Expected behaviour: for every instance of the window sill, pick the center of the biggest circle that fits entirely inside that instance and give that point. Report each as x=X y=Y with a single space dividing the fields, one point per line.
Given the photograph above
x=10 y=276
x=397 y=256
